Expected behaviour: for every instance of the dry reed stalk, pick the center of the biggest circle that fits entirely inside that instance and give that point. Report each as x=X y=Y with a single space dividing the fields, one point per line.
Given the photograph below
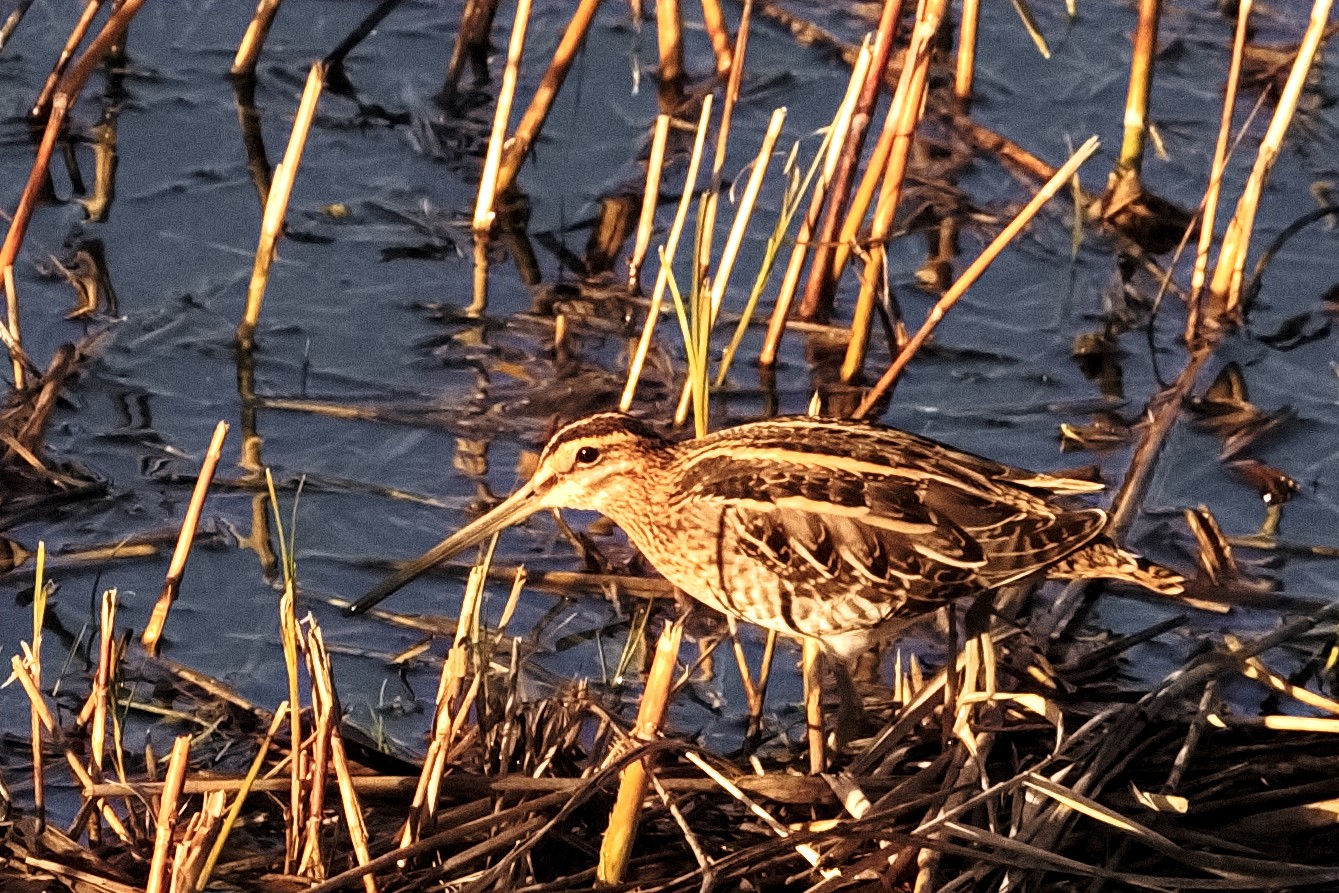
x=479 y=293
x=276 y=205
x=1254 y=668
x=1225 y=286
x=909 y=102
x=449 y=710
x=334 y=59
x=488 y=180
x=790 y=280
x=29 y=672
x=714 y=20
x=730 y=253
x=864 y=194
x=244 y=789
x=313 y=862
x=726 y=265
x=253 y=41
x=818 y=290
x=972 y=273
x=667 y=253
x=812 y=673
x=616 y=845
x=1136 y=99
x=476 y=20
x=9 y=333
x=517 y=149
x=16 y=14
x=101 y=695
x=189 y=853
x=1193 y=734
x=153 y=629
x=669 y=40
x=965 y=69
x=167 y=814
x=707 y=216
x=297 y=770
x=326 y=703
x=42 y=104
x=67 y=91
x=655 y=165
x=87 y=783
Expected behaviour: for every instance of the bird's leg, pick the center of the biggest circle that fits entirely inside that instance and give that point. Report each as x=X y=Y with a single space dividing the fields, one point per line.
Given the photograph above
x=851 y=707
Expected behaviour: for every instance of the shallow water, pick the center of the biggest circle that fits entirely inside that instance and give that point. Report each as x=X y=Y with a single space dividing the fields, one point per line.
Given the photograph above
x=363 y=309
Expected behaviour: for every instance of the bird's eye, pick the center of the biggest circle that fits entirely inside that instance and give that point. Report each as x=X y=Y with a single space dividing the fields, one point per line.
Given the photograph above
x=587 y=455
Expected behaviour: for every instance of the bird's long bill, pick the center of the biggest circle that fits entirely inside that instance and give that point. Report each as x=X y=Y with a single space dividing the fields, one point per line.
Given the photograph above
x=517 y=507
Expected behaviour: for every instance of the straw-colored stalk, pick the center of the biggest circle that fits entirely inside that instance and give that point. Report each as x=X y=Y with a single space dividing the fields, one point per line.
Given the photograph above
x=253 y=41
x=479 y=294
x=707 y=223
x=312 y=861
x=965 y=69
x=190 y=851
x=666 y=254
x=11 y=22
x=1208 y=699
x=153 y=629
x=101 y=695
x=616 y=846
x=10 y=332
x=276 y=204
x=298 y=761
x=77 y=33
x=488 y=181
x=476 y=20
x=326 y=702
x=243 y=791
x=88 y=784
x=29 y=671
x=818 y=290
x=669 y=40
x=721 y=279
x=167 y=814
x=792 y=196
x=909 y=101
x=450 y=685
x=812 y=672
x=837 y=130
x=517 y=149
x=1136 y=98
x=1225 y=286
x=714 y=20
x=67 y=91
x=655 y=166
x=1209 y=214
x=870 y=182
x=972 y=273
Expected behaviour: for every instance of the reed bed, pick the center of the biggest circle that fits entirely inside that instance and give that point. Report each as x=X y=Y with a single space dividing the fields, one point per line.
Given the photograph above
x=1016 y=759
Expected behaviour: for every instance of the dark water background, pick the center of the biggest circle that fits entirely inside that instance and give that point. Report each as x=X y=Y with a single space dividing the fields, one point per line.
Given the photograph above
x=350 y=319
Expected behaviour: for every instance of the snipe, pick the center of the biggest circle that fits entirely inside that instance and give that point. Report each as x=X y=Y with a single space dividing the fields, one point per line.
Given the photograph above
x=837 y=531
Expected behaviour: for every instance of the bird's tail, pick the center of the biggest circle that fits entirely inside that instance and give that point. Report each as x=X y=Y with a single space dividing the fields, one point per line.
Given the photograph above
x=1105 y=560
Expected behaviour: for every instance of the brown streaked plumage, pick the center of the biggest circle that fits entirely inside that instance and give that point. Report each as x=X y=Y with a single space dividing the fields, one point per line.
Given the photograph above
x=837 y=531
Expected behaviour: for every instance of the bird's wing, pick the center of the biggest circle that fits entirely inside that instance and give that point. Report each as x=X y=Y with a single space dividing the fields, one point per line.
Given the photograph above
x=813 y=525
x=902 y=534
